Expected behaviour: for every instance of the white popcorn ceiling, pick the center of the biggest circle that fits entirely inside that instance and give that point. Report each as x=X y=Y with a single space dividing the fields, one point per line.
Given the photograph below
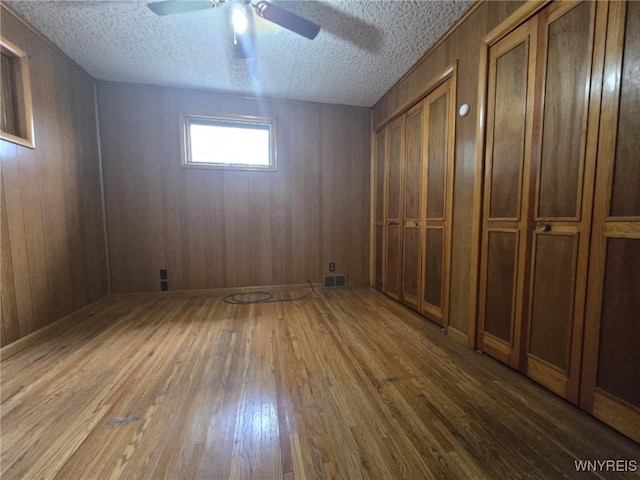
x=363 y=48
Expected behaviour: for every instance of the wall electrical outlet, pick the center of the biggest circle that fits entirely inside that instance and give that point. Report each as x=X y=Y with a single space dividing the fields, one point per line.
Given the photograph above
x=332 y=267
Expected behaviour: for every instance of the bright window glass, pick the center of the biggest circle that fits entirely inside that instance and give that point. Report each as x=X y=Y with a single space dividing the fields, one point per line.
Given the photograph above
x=238 y=143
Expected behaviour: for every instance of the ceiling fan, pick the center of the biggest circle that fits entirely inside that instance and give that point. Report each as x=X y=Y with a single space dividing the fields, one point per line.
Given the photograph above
x=240 y=21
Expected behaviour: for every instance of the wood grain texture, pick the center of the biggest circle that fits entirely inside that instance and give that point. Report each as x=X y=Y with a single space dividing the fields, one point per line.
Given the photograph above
x=625 y=201
x=379 y=207
x=498 y=294
x=394 y=182
x=455 y=48
x=552 y=298
x=579 y=28
x=413 y=207
x=53 y=248
x=433 y=271
x=437 y=199
x=611 y=319
x=213 y=229
x=569 y=50
x=507 y=143
x=508 y=260
x=344 y=384
x=553 y=147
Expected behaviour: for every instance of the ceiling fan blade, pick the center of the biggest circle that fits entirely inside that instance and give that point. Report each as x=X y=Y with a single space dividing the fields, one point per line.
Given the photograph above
x=286 y=19
x=169 y=7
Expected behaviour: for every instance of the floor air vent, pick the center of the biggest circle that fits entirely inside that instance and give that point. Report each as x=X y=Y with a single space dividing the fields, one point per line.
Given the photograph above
x=334 y=281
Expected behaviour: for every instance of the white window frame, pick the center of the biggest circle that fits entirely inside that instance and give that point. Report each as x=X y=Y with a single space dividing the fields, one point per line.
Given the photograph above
x=236 y=121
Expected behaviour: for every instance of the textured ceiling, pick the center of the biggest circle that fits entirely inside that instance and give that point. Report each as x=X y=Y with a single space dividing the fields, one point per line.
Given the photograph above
x=363 y=48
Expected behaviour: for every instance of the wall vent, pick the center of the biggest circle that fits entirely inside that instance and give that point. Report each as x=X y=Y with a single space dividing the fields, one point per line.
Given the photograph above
x=335 y=281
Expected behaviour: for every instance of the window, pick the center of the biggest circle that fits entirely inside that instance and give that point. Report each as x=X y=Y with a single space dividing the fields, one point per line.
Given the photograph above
x=233 y=142
x=16 y=116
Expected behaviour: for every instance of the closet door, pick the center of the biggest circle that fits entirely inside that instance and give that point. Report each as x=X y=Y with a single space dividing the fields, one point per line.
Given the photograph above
x=569 y=65
x=379 y=201
x=506 y=199
x=437 y=200
x=393 y=234
x=413 y=181
x=611 y=365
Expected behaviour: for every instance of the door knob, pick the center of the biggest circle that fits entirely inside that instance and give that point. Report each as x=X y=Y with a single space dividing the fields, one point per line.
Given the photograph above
x=543 y=227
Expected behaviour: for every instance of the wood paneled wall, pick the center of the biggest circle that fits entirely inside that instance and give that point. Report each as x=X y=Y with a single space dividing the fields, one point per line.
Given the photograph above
x=213 y=228
x=461 y=47
x=52 y=244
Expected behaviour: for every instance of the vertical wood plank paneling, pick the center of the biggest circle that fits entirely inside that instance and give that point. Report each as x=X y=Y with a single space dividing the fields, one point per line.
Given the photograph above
x=42 y=170
x=346 y=194
x=305 y=163
x=461 y=304
x=9 y=330
x=53 y=250
x=233 y=228
x=110 y=177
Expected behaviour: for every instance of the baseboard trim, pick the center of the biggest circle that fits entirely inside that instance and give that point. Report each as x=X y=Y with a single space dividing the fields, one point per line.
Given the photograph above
x=58 y=326
x=228 y=290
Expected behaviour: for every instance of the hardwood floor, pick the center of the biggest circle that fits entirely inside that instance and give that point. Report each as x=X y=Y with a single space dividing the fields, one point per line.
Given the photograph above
x=344 y=384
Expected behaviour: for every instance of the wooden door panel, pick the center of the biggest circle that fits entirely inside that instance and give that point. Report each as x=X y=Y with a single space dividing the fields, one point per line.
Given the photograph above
x=379 y=258
x=437 y=157
x=508 y=136
x=619 y=355
x=394 y=171
x=569 y=40
x=619 y=329
x=379 y=214
x=625 y=201
x=611 y=361
x=433 y=277
x=411 y=266
x=553 y=298
x=413 y=166
x=411 y=256
x=439 y=118
x=393 y=220
x=511 y=80
x=499 y=303
x=570 y=53
x=392 y=283
x=380 y=176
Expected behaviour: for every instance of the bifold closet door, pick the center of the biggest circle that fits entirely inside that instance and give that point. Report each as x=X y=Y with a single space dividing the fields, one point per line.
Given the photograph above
x=437 y=201
x=412 y=208
x=393 y=207
x=511 y=81
x=379 y=201
x=611 y=366
x=540 y=167
x=570 y=54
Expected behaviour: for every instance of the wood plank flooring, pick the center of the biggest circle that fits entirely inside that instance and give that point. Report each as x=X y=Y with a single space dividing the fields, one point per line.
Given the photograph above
x=344 y=384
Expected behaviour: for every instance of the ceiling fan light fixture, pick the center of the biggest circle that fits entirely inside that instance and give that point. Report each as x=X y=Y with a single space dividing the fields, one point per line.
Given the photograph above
x=239 y=20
